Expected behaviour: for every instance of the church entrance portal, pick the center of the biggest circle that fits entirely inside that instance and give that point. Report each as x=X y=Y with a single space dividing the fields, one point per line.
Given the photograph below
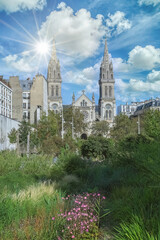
x=84 y=136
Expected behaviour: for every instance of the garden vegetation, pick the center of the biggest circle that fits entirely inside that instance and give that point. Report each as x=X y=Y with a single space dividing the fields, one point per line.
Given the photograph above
x=99 y=188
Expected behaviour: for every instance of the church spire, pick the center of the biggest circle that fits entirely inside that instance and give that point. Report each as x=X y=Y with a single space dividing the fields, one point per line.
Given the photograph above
x=53 y=55
x=106 y=56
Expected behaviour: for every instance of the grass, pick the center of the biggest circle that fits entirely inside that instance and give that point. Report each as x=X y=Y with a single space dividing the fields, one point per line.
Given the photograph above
x=32 y=190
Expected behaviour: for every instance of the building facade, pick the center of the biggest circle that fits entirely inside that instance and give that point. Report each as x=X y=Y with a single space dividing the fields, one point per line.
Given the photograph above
x=128 y=109
x=17 y=101
x=5 y=98
x=54 y=83
x=107 y=104
x=26 y=87
x=151 y=104
x=86 y=106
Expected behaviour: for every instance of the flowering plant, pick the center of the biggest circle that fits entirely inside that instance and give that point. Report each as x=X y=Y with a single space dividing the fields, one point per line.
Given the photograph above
x=82 y=220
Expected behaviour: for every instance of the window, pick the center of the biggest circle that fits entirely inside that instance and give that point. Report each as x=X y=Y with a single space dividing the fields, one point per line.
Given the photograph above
x=107 y=114
x=24 y=115
x=24 y=105
x=52 y=91
x=110 y=114
x=106 y=91
x=29 y=105
x=28 y=115
x=54 y=73
x=112 y=76
x=57 y=91
x=110 y=91
x=107 y=74
x=103 y=76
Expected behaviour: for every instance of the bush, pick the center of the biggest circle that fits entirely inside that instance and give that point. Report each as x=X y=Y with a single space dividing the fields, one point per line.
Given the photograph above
x=97 y=147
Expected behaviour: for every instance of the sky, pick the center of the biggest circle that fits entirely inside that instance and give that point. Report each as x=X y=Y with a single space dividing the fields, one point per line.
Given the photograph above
x=132 y=28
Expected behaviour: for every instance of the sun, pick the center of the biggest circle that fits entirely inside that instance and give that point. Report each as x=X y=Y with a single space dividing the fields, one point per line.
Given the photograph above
x=42 y=47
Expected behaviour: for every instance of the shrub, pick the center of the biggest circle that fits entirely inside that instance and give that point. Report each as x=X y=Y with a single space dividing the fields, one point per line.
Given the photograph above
x=97 y=147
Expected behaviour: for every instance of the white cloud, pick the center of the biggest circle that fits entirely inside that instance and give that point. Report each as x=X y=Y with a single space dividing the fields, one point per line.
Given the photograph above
x=119 y=65
x=88 y=77
x=148 y=2
x=140 y=59
x=76 y=34
x=144 y=58
x=117 y=23
x=154 y=76
x=20 y=5
x=19 y=63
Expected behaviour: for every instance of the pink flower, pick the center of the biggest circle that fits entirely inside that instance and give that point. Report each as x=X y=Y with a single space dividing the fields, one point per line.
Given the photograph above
x=53 y=218
x=73 y=236
x=104 y=197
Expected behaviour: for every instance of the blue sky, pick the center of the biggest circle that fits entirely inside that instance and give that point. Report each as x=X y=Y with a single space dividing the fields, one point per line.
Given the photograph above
x=79 y=28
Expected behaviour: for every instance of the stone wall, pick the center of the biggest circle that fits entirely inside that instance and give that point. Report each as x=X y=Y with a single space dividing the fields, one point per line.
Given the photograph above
x=17 y=102
x=6 y=125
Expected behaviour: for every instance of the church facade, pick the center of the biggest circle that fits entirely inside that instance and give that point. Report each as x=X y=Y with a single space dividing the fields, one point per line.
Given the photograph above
x=106 y=106
x=32 y=97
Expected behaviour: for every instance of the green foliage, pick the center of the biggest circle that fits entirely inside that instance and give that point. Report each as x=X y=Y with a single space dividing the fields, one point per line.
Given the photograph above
x=135 y=230
x=123 y=126
x=24 y=129
x=77 y=118
x=152 y=123
x=12 y=135
x=97 y=147
x=100 y=128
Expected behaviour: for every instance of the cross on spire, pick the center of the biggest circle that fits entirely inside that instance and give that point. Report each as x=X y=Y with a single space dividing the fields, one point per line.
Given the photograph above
x=83 y=91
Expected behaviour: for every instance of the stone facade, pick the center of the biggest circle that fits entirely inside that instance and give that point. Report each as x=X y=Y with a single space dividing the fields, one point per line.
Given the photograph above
x=17 y=102
x=86 y=106
x=6 y=125
x=5 y=98
x=38 y=97
x=107 y=104
x=128 y=109
x=54 y=83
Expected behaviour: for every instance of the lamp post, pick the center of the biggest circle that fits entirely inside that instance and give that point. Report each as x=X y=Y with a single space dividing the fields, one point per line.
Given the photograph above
x=62 y=133
x=139 y=125
x=72 y=123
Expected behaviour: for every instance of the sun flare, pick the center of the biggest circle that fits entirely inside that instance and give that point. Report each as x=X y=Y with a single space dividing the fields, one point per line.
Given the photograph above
x=42 y=47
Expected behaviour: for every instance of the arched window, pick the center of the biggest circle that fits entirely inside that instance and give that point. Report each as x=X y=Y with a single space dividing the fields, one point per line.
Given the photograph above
x=112 y=75
x=52 y=91
x=55 y=108
x=103 y=76
x=106 y=91
x=110 y=91
x=107 y=74
x=56 y=91
x=107 y=114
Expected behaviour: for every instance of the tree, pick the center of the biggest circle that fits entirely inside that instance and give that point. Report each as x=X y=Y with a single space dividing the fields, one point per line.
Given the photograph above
x=24 y=130
x=13 y=135
x=97 y=147
x=100 y=128
x=123 y=126
x=152 y=123
x=78 y=121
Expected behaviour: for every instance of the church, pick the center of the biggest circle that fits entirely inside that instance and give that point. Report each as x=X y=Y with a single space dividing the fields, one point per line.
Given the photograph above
x=106 y=109
x=32 y=97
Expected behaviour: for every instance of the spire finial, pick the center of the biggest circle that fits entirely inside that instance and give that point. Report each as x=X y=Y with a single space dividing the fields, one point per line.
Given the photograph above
x=54 y=56
x=83 y=91
x=106 y=56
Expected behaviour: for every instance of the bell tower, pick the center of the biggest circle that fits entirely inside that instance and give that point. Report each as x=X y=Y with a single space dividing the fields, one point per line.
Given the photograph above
x=107 y=104
x=54 y=82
